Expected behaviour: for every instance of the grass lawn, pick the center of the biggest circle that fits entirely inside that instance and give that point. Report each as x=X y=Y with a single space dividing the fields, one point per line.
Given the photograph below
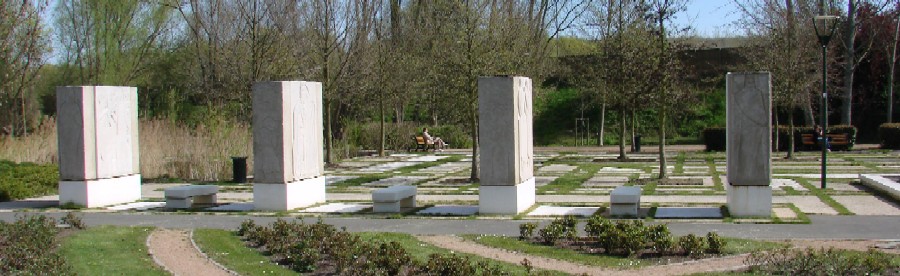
x=734 y=246
x=110 y=250
x=227 y=249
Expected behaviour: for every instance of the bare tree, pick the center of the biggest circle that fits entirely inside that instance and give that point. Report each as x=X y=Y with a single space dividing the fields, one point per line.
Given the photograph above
x=23 y=45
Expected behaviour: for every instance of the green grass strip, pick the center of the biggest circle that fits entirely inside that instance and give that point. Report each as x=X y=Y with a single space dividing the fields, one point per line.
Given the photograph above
x=572 y=180
x=419 y=251
x=110 y=250
x=227 y=249
x=679 y=163
x=824 y=197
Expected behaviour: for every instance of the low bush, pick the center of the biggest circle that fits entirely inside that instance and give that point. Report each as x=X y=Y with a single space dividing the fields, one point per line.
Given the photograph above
x=889 y=134
x=24 y=180
x=692 y=245
x=715 y=243
x=72 y=220
x=526 y=230
x=821 y=262
x=27 y=247
x=660 y=239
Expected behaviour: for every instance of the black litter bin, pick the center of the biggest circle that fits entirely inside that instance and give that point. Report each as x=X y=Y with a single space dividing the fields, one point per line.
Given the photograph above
x=239 y=169
x=637 y=143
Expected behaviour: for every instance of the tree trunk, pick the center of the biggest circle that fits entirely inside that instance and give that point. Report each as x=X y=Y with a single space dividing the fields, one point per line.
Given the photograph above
x=893 y=61
x=381 y=123
x=622 y=155
x=328 y=140
x=790 y=152
x=602 y=124
x=808 y=117
x=474 y=107
x=662 y=143
x=777 y=133
x=633 y=123
x=850 y=64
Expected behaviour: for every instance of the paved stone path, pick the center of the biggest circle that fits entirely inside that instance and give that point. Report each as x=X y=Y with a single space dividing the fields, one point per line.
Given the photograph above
x=174 y=250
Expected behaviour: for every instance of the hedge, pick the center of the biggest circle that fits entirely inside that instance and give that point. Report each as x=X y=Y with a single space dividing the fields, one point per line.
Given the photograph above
x=889 y=134
x=25 y=180
x=714 y=137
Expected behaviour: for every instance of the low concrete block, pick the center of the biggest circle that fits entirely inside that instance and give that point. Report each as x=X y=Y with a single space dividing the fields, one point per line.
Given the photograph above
x=101 y=192
x=509 y=200
x=183 y=197
x=882 y=183
x=625 y=201
x=289 y=196
x=392 y=199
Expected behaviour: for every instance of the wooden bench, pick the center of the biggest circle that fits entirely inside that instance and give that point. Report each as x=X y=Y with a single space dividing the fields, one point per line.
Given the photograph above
x=841 y=140
x=422 y=144
x=625 y=201
x=391 y=199
x=183 y=197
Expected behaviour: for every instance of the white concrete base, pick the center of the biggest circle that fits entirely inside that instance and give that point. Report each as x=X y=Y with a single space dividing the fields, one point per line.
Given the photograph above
x=283 y=197
x=881 y=183
x=749 y=201
x=508 y=200
x=101 y=192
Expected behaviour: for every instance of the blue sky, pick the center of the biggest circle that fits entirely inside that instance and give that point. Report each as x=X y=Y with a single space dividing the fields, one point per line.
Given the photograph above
x=710 y=18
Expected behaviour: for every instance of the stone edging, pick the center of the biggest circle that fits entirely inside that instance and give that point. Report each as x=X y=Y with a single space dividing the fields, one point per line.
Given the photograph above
x=150 y=251
x=217 y=264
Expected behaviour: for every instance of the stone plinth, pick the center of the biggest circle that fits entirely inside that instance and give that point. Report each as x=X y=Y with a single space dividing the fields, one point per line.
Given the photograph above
x=97 y=130
x=505 y=139
x=287 y=145
x=749 y=143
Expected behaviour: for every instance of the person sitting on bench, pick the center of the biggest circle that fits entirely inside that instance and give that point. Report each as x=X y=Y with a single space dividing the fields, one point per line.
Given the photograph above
x=437 y=141
x=820 y=137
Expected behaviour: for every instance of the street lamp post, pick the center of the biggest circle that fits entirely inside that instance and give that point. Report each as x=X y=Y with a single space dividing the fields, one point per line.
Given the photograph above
x=824 y=25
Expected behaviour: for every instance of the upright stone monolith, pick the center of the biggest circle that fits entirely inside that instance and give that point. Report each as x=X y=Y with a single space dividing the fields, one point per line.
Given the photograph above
x=97 y=134
x=749 y=144
x=505 y=137
x=288 y=163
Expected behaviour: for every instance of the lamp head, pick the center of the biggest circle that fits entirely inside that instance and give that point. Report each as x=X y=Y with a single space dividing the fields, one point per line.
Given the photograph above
x=825 y=26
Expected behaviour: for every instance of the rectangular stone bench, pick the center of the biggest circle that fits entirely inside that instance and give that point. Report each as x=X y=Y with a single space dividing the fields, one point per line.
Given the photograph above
x=183 y=197
x=625 y=201
x=391 y=199
x=881 y=183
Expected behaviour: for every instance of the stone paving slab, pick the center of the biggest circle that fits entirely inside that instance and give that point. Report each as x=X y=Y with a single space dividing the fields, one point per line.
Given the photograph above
x=427 y=158
x=817 y=175
x=556 y=169
x=869 y=205
x=543 y=180
x=808 y=204
x=614 y=170
x=688 y=212
x=390 y=166
x=396 y=180
x=780 y=183
x=334 y=179
x=546 y=211
x=451 y=210
x=453 y=181
x=138 y=206
x=784 y=213
x=337 y=208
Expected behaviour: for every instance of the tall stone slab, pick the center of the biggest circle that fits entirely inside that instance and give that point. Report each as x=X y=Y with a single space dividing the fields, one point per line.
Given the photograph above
x=97 y=133
x=506 y=142
x=749 y=143
x=288 y=163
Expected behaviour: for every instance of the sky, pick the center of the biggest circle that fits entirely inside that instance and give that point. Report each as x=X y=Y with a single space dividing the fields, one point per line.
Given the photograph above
x=710 y=18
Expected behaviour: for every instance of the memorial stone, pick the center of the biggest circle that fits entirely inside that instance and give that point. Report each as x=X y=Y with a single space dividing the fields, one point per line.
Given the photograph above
x=97 y=133
x=287 y=145
x=749 y=143
x=505 y=137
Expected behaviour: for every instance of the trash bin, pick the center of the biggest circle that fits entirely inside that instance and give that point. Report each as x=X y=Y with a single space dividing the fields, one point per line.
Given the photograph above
x=239 y=169
x=637 y=143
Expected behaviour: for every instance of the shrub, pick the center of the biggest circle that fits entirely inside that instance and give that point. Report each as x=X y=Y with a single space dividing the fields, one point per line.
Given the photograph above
x=246 y=226
x=889 y=135
x=820 y=262
x=526 y=230
x=714 y=138
x=630 y=237
x=27 y=247
x=660 y=238
x=24 y=180
x=597 y=225
x=716 y=244
x=72 y=220
x=691 y=245
x=448 y=264
x=552 y=233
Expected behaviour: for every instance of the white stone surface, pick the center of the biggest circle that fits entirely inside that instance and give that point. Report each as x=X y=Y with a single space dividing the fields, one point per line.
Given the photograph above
x=289 y=196
x=396 y=180
x=139 y=206
x=625 y=201
x=749 y=129
x=287 y=131
x=563 y=211
x=688 y=212
x=453 y=210
x=427 y=158
x=556 y=169
x=506 y=199
x=749 y=201
x=784 y=213
x=390 y=166
x=394 y=193
x=780 y=183
x=101 y=192
x=881 y=183
x=334 y=179
x=97 y=131
x=866 y=205
x=505 y=131
x=816 y=175
x=191 y=190
x=339 y=208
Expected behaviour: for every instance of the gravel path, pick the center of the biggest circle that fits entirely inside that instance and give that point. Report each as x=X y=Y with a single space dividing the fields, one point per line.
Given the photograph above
x=174 y=250
x=459 y=244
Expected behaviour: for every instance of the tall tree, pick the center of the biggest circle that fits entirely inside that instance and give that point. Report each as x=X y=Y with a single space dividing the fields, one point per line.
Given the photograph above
x=23 y=44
